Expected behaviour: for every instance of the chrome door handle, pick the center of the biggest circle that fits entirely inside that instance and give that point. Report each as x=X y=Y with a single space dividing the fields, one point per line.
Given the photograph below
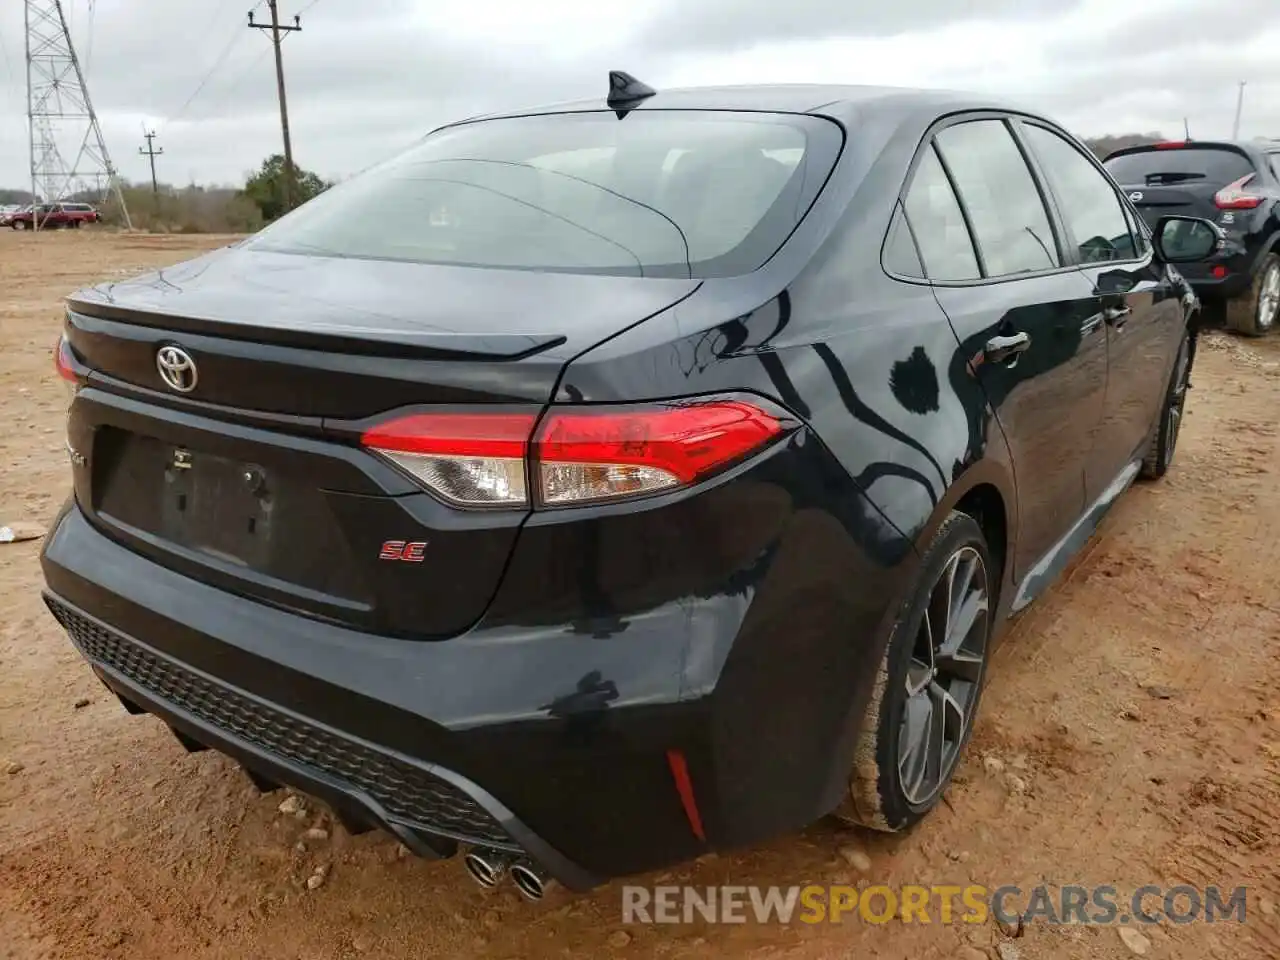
x=1117 y=316
x=1000 y=349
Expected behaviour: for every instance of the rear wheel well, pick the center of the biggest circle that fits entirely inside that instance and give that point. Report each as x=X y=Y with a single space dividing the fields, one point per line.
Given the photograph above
x=986 y=506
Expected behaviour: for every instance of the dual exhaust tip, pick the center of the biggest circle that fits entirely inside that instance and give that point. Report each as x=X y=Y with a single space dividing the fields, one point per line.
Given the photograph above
x=488 y=867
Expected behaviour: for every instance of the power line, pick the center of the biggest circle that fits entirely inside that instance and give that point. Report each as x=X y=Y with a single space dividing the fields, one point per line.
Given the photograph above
x=217 y=15
x=221 y=93
x=226 y=52
x=218 y=62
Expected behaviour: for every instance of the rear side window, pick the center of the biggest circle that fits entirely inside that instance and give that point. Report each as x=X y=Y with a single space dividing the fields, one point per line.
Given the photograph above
x=659 y=193
x=900 y=255
x=1214 y=166
x=938 y=224
x=1090 y=205
x=1008 y=215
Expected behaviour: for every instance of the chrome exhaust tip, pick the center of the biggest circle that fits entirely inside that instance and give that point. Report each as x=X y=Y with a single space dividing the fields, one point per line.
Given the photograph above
x=486 y=867
x=530 y=880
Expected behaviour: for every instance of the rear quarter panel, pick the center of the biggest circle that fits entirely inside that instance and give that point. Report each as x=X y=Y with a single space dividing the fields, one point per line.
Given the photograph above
x=872 y=367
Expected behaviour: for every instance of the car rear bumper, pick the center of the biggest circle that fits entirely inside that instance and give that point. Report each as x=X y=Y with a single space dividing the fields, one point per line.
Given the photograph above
x=330 y=711
x=539 y=740
x=428 y=808
x=1226 y=288
x=1239 y=262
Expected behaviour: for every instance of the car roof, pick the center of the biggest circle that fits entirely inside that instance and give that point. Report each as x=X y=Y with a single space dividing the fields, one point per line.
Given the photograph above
x=838 y=101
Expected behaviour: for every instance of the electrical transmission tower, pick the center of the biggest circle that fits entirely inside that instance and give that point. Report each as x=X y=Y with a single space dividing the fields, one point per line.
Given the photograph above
x=60 y=113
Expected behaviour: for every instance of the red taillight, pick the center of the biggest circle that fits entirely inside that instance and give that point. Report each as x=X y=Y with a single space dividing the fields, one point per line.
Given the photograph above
x=471 y=459
x=585 y=454
x=1170 y=145
x=450 y=434
x=1218 y=271
x=63 y=361
x=1234 y=196
x=580 y=454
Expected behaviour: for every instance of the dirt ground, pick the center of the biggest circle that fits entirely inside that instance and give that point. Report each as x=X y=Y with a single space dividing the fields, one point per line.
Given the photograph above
x=1130 y=734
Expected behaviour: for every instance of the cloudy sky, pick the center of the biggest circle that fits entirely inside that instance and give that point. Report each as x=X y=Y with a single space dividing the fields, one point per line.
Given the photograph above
x=368 y=76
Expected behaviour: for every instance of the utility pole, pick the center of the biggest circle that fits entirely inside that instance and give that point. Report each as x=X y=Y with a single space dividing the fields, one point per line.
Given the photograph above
x=1235 y=127
x=278 y=34
x=151 y=153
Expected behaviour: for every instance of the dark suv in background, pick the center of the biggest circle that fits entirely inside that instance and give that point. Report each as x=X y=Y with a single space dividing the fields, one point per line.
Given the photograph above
x=1237 y=185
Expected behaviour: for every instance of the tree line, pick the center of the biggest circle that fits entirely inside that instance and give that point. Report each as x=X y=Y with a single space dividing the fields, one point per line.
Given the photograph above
x=201 y=209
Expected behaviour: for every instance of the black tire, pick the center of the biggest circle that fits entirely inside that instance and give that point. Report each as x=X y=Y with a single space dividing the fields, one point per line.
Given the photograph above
x=1254 y=313
x=1164 y=438
x=19 y=224
x=878 y=796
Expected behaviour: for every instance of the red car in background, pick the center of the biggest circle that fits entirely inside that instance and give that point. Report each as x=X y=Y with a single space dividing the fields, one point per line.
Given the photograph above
x=53 y=215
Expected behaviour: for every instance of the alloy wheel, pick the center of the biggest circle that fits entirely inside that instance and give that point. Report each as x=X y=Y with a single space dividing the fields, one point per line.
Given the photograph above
x=942 y=679
x=1269 y=298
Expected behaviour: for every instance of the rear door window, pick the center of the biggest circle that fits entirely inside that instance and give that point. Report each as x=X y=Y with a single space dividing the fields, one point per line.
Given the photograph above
x=661 y=193
x=1005 y=208
x=1214 y=166
x=937 y=223
x=1089 y=203
x=900 y=255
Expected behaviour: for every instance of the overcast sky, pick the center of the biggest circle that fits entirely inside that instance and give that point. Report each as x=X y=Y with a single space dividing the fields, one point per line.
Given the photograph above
x=368 y=76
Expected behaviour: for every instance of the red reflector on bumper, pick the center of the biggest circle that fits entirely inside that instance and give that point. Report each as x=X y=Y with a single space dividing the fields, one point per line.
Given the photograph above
x=684 y=787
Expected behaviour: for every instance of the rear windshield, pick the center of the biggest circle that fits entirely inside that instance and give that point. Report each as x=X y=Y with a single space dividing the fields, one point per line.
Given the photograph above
x=1213 y=166
x=657 y=193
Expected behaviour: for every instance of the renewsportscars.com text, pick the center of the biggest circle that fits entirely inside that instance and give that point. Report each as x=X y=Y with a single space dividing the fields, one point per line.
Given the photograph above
x=1069 y=904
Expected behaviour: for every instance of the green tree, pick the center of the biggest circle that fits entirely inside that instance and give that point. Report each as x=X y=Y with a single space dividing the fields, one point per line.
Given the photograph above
x=266 y=187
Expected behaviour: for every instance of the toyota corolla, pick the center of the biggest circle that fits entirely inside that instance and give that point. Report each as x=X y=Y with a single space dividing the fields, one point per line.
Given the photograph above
x=594 y=486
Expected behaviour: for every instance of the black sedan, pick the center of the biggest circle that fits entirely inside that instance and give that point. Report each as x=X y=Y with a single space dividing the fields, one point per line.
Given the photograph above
x=594 y=486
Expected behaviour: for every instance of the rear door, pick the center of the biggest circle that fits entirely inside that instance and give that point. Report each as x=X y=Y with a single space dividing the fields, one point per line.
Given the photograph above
x=1023 y=316
x=1135 y=295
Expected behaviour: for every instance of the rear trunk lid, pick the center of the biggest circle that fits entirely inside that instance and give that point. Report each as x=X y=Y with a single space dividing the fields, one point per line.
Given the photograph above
x=330 y=337
x=253 y=480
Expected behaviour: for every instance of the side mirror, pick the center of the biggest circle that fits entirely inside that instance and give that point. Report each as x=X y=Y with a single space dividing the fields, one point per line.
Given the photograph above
x=1187 y=239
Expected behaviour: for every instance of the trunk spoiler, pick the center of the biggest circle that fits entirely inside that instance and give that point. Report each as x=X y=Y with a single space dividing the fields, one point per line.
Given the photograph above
x=355 y=339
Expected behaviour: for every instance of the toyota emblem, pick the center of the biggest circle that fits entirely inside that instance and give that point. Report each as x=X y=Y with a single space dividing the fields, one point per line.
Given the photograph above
x=1136 y=196
x=177 y=369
